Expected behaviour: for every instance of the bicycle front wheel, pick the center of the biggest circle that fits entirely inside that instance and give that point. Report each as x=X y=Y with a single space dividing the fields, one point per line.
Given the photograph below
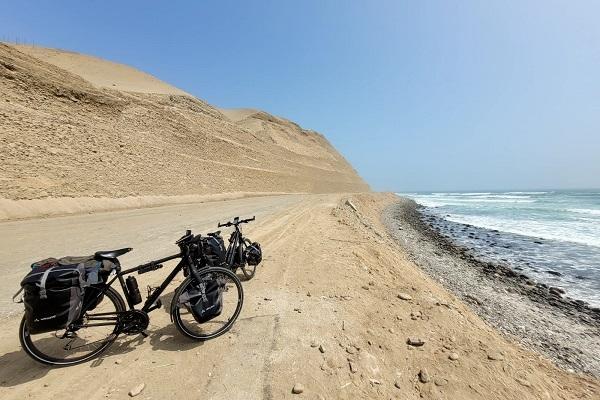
x=247 y=270
x=96 y=332
x=227 y=299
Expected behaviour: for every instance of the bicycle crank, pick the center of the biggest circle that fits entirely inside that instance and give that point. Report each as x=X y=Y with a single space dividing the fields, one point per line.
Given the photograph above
x=133 y=322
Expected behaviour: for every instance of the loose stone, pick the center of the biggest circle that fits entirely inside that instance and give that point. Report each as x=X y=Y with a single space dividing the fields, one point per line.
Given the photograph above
x=424 y=376
x=453 y=356
x=404 y=296
x=298 y=388
x=440 y=381
x=414 y=341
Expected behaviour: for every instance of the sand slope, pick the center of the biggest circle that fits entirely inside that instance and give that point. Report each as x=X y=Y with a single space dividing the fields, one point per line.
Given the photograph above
x=102 y=73
x=68 y=132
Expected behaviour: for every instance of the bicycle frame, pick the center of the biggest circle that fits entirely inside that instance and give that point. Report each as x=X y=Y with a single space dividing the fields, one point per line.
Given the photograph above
x=235 y=245
x=158 y=291
x=186 y=262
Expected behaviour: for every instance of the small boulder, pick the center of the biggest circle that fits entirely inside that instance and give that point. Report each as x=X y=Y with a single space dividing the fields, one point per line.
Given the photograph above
x=298 y=388
x=404 y=296
x=453 y=356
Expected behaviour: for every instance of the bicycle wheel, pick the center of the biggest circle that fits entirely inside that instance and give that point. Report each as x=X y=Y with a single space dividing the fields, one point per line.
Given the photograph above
x=232 y=296
x=83 y=344
x=247 y=270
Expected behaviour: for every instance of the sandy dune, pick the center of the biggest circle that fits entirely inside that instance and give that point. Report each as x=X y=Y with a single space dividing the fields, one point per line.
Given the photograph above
x=343 y=273
x=68 y=133
x=102 y=73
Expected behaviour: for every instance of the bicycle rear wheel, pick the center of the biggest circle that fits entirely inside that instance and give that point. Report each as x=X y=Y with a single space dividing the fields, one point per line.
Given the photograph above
x=96 y=333
x=232 y=301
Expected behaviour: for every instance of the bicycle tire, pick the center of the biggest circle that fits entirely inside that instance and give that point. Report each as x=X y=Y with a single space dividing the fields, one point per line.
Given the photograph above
x=175 y=309
x=248 y=270
x=38 y=355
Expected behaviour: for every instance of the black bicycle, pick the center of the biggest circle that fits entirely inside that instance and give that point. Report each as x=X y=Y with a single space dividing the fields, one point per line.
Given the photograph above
x=240 y=253
x=105 y=315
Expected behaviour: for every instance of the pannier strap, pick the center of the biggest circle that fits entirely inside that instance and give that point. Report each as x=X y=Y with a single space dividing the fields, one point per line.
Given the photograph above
x=43 y=283
x=15 y=296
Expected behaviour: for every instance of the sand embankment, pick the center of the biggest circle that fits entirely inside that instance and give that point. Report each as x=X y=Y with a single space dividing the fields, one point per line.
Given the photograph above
x=75 y=126
x=332 y=277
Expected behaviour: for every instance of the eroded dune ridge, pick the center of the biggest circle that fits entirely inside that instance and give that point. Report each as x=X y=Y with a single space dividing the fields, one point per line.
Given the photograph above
x=78 y=126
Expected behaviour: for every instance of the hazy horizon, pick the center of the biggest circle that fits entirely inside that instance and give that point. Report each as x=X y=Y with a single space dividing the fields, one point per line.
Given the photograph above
x=415 y=95
x=521 y=190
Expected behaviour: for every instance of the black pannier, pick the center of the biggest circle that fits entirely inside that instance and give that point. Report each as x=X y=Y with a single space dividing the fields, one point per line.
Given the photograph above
x=253 y=254
x=52 y=297
x=204 y=300
x=54 y=291
x=213 y=248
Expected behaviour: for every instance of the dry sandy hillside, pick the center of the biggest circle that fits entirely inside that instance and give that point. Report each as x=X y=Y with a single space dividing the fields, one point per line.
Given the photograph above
x=74 y=126
x=332 y=278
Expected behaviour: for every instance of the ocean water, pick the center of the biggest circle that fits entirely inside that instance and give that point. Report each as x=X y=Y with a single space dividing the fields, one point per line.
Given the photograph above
x=552 y=236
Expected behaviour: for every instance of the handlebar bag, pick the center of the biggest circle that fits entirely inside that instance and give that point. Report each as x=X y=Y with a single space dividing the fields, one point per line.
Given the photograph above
x=204 y=300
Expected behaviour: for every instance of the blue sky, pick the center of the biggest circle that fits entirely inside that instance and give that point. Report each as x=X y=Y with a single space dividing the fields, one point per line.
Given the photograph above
x=436 y=95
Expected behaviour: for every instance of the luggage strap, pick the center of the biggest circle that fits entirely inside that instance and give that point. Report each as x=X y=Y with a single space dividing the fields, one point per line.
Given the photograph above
x=15 y=296
x=43 y=294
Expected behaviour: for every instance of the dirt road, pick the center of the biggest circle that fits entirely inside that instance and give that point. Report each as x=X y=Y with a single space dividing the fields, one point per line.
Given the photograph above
x=331 y=277
x=150 y=231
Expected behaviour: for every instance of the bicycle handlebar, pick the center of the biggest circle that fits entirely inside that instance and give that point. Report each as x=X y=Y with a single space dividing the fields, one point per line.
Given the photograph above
x=236 y=221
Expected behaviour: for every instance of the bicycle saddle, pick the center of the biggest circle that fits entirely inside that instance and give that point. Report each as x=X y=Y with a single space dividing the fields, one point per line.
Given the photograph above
x=112 y=253
x=217 y=233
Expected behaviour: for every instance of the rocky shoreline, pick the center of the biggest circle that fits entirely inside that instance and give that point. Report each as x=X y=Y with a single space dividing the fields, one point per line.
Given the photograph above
x=565 y=330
